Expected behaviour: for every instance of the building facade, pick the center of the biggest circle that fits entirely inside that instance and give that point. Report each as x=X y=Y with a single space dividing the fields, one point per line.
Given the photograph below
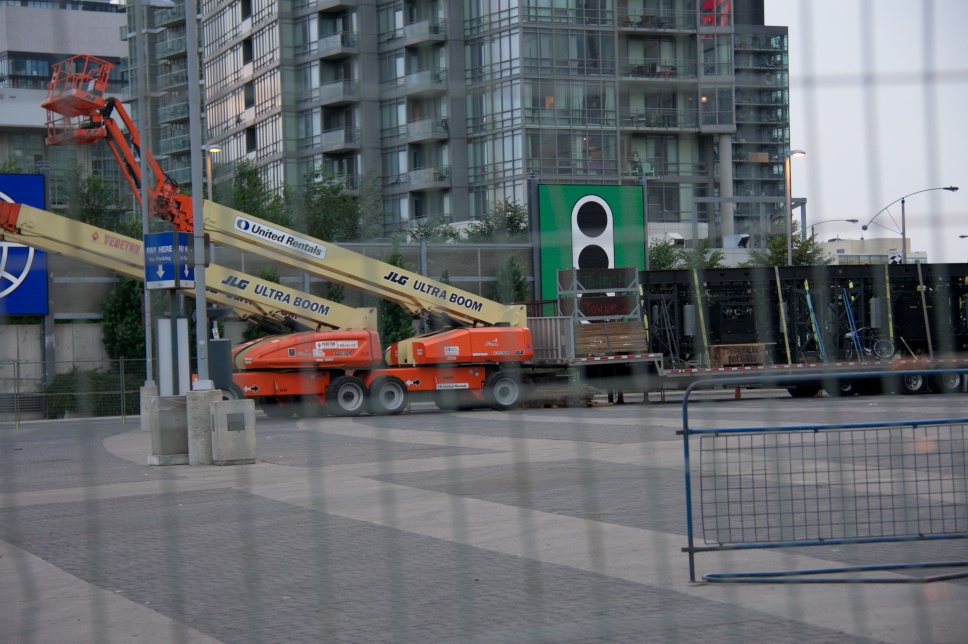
x=451 y=105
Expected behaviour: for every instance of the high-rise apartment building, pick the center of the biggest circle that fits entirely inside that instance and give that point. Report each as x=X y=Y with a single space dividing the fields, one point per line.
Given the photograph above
x=452 y=105
x=34 y=36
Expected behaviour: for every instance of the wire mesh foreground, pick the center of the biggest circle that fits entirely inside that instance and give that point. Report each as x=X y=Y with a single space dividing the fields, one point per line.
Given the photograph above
x=833 y=484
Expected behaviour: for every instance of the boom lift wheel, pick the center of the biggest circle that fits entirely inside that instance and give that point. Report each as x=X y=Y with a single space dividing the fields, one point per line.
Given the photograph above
x=388 y=396
x=346 y=396
x=502 y=391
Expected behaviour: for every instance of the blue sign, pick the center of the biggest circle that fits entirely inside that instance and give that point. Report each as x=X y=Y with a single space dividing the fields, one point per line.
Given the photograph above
x=23 y=270
x=166 y=261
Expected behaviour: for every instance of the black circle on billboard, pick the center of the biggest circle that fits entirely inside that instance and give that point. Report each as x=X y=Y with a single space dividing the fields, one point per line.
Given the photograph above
x=592 y=256
x=592 y=218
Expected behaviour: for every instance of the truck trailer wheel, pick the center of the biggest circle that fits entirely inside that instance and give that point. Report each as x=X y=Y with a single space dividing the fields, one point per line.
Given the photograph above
x=502 y=391
x=945 y=383
x=841 y=388
x=346 y=396
x=388 y=396
x=913 y=383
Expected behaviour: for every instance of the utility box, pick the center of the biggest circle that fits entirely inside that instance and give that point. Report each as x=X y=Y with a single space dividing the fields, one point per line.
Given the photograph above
x=233 y=432
x=168 y=423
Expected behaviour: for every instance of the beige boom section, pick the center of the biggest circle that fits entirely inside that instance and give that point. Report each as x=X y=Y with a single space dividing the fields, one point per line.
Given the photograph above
x=412 y=291
x=250 y=296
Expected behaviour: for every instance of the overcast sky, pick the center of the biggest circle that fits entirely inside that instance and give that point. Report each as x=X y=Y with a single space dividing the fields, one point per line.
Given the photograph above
x=879 y=101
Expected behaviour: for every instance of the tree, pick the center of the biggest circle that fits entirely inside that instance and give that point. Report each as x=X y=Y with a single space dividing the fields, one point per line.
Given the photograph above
x=123 y=314
x=511 y=285
x=251 y=195
x=663 y=255
x=394 y=321
x=506 y=222
x=10 y=166
x=702 y=256
x=437 y=229
x=331 y=213
x=806 y=252
x=370 y=201
x=93 y=200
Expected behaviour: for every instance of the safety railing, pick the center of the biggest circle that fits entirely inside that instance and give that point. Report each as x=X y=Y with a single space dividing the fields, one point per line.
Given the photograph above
x=825 y=485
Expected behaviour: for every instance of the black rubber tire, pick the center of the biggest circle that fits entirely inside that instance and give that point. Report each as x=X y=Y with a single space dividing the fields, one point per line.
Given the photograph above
x=277 y=408
x=502 y=391
x=232 y=393
x=841 y=388
x=346 y=396
x=804 y=391
x=883 y=349
x=912 y=383
x=945 y=383
x=387 y=396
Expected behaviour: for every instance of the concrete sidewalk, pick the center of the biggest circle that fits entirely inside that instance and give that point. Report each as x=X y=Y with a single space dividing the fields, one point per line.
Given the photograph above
x=527 y=526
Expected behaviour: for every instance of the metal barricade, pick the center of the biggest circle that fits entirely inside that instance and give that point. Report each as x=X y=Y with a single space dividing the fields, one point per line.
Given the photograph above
x=825 y=485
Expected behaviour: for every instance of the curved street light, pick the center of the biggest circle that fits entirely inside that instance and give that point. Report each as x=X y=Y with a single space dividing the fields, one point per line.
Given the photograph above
x=789 y=208
x=903 y=226
x=826 y=221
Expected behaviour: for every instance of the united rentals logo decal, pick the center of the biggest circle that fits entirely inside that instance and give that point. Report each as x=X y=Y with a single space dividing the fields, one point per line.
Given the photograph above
x=279 y=237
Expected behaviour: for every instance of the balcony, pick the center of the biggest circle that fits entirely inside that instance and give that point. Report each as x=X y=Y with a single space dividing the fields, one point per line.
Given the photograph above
x=174 y=78
x=339 y=44
x=661 y=119
x=654 y=69
x=430 y=129
x=341 y=139
x=323 y=5
x=429 y=178
x=658 y=21
x=174 y=144
x=426 y=83
x=172 y=113
x=171 y=48
x=424 y=32
x=335 y=93
x=170 y=16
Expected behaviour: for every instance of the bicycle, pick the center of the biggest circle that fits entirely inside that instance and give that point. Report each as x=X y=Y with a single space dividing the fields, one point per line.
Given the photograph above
x=870 y=345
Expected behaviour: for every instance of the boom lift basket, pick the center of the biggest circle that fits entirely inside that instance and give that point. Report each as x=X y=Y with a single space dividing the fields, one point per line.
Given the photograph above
x=75 y=95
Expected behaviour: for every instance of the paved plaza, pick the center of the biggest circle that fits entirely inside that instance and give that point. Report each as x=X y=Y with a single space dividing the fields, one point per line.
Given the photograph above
x=535 y=525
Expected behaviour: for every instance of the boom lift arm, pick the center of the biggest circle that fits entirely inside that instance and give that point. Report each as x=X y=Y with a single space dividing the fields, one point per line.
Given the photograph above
x=78 y=113
x=251 y=296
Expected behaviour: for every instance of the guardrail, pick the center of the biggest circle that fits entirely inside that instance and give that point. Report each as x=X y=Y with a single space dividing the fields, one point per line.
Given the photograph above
x=824 y=485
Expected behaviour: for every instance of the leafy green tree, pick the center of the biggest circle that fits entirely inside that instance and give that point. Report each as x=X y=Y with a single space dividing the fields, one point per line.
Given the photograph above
x=331 y=213
x=394 y=321
x=123 y=326
x=506 y=222
x=10 y=165
x=253 y=196
x=92 y=200
x=435 y=230
x=511 y=285
x=702 y=256
x=663 y=255
x=806 y=252
x=370 y=201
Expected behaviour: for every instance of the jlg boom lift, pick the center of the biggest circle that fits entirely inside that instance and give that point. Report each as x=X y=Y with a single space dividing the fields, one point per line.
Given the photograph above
x=459 y=365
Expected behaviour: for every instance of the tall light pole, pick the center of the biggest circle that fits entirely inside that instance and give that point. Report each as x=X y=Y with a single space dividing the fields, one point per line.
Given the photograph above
x=903 y=224
x=789 y=208
x=813 y=226
x=209 y=151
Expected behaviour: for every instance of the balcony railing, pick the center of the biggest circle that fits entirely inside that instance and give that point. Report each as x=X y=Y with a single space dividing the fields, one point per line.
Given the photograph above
x=661 y=118
x=174 y=144
x=426 y=82
x=169 y=48
x=173 y=78
x=341 y=91
x=427 y=129
x=658 y=21
x=176 y=112
x=424 y=31
x=658 y=68
x=429 y=178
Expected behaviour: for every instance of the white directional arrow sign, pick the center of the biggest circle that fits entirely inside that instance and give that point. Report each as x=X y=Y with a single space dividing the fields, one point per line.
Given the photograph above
x=166 y=261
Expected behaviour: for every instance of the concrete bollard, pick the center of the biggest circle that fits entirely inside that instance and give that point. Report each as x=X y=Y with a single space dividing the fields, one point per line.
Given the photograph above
x=148 y=418
x=169 y=431
x=200 y=425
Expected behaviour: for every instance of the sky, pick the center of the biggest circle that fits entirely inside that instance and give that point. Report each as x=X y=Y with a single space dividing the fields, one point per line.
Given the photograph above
x=879 y=102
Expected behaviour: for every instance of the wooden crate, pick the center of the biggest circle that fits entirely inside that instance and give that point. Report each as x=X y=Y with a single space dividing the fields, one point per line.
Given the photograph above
x=737 y=355
x=610 y=338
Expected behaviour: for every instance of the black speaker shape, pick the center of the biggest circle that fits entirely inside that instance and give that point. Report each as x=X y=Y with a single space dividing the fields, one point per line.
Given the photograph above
x=592 y=233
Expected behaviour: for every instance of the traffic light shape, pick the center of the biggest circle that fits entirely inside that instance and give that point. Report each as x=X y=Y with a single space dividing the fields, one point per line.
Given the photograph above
x=592 y=233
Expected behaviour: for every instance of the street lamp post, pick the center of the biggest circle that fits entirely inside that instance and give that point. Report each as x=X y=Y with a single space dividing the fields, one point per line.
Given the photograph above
x=209 y=151
x=813 y=227
x=789 y=208
x=903 y=230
